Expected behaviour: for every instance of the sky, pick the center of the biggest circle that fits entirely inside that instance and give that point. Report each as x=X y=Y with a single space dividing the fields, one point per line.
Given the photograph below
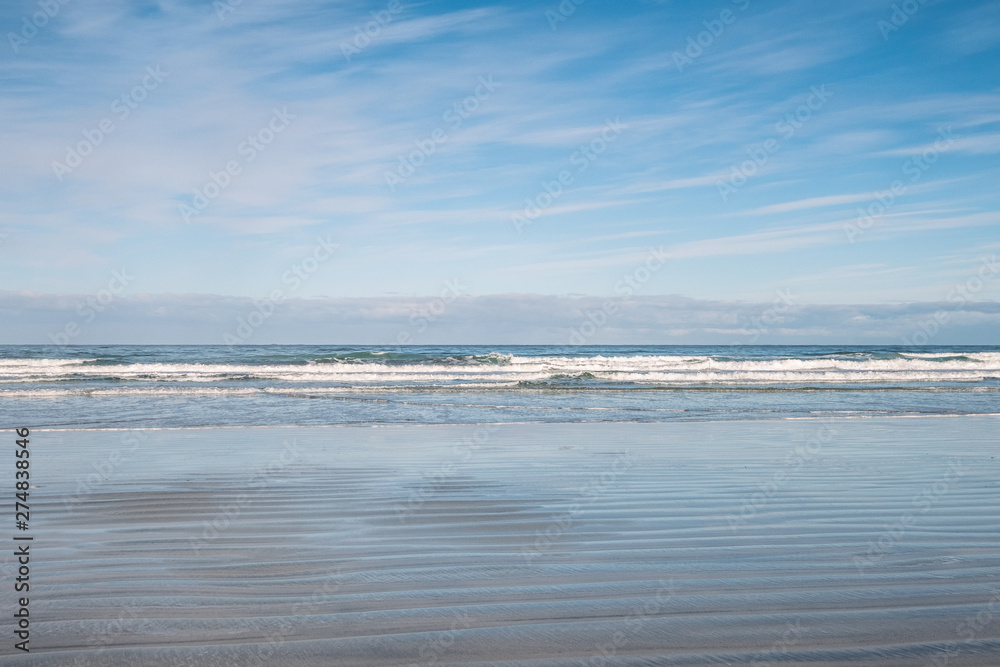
x=448 y=172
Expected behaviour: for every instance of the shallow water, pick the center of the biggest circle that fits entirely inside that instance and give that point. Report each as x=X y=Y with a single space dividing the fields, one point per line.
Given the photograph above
x=792 y=542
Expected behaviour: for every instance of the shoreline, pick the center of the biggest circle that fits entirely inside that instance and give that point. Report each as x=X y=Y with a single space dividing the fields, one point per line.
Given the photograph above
x=524 y=423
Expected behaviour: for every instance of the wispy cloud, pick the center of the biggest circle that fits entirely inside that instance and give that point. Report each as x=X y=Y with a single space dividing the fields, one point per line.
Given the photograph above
x=416 y=77
x=812 y=202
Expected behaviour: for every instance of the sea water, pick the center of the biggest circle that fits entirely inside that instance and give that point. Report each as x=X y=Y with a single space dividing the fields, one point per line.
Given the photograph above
x=113 y=386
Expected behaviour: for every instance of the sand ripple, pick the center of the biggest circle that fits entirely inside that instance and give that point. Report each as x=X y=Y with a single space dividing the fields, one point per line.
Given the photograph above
x=856 y=542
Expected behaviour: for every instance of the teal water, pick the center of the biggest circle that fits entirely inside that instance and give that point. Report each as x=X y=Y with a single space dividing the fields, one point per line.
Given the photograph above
x=275 y=385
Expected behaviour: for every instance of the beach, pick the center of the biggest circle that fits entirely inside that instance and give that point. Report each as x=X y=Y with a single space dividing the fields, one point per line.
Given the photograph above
x=834 y=541
x=464 y=334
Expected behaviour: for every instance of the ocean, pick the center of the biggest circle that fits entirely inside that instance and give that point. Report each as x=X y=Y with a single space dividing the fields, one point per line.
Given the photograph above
x=530 y=506
x=178 y=386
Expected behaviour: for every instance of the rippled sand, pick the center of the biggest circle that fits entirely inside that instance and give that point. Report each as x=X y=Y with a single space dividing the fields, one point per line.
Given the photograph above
x=852 y=542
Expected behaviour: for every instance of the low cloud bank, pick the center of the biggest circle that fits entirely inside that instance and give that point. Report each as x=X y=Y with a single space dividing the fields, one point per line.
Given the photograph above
x=449 y=318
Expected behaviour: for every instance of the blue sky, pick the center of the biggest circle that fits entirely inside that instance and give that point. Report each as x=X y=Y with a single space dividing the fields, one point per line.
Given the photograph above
x=531 y=148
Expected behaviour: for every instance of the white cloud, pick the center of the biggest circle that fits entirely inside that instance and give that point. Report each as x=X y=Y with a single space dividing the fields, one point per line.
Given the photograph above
x=812 y=202
x=496 y=319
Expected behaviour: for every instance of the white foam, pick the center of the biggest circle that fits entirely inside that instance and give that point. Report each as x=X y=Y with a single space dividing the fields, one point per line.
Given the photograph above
x=41 y=363
x=638 y=369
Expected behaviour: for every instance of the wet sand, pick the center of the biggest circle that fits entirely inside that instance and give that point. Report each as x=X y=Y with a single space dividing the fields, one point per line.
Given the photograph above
x=804 y=542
